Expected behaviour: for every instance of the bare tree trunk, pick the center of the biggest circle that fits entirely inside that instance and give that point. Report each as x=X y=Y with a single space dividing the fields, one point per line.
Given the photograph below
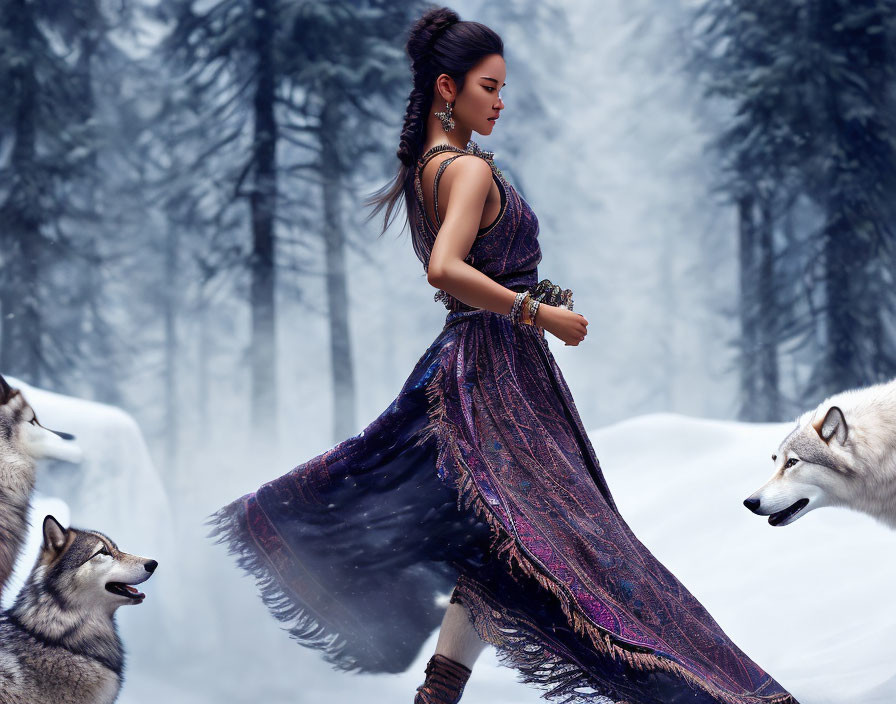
x=666 y=327
x=172 y=419
x=841 y=355
x=21 y=345
x=844 y=256
x=202 y=376
x=263 y=207
x=91 y=333
x=766 y=319
x=747 y=243
x=337 y=290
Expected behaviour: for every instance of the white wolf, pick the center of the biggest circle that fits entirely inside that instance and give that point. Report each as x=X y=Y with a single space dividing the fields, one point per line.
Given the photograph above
x=841 y=454
x=23 y=440
x=58 y=643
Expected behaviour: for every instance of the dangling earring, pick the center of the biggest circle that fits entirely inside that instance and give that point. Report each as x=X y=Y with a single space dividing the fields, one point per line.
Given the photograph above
x=445 y=117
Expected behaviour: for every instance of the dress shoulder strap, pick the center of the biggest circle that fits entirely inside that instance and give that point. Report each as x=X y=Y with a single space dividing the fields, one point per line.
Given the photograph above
x=435 y=187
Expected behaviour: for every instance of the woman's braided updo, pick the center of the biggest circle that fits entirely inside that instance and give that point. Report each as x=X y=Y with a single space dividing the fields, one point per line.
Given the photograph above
x=421 y=50
x=439 y=42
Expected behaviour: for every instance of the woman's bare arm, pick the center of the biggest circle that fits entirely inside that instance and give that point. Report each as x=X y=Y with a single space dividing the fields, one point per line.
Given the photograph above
x=468 y=185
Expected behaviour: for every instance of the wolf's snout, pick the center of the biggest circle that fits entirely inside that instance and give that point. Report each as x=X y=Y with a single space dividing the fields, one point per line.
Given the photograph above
x=752 y=504
x=151 y=566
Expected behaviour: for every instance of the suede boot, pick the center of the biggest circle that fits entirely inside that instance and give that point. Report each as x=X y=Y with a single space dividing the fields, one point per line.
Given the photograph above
x=445 y=681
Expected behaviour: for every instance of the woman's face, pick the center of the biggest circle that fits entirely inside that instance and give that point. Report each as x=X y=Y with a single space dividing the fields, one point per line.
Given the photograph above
x=480 y=101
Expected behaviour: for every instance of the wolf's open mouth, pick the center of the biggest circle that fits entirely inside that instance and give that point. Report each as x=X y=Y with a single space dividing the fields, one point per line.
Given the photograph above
x=124 y=590
x=781 y=516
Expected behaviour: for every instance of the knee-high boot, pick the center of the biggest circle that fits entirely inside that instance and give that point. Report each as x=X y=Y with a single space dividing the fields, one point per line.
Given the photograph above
x=445 y=681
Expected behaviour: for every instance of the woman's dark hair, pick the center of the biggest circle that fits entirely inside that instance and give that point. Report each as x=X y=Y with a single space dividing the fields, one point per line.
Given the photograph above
x=439 y=42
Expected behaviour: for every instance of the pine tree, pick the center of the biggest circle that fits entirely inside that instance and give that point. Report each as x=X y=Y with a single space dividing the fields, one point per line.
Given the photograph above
x=224 y=53
x=751 y=55
x=309 y=80
x=807 y=85
x=50 y=198
x=852 y=179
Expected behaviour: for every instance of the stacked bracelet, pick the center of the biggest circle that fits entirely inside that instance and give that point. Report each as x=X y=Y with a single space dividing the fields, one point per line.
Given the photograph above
x=533 y=309
x=526 y=312
x=517 y=307
x=525 y=308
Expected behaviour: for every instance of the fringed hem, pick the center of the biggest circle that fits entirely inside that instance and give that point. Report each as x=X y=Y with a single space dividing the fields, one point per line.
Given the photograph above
x=229 y=528
x=518 y=647
x=505 y=545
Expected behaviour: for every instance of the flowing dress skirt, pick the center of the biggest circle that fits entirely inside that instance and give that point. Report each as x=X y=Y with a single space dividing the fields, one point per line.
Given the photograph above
x=480 y=474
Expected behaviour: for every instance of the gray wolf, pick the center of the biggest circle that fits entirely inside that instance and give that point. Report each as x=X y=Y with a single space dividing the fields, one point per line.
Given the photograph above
x=58 y=642
x=23 y=440
x=843 y=453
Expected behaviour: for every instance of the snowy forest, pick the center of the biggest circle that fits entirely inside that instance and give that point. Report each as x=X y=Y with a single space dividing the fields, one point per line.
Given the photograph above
x=183 y=235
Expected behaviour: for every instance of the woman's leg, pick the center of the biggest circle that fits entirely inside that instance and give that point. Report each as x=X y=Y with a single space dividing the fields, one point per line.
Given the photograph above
x=457 y=637
x=450 y=667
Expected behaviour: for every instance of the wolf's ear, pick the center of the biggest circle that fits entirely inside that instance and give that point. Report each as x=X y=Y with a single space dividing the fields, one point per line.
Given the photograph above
x=55 y=535
x=833 y=426
x=5 y=390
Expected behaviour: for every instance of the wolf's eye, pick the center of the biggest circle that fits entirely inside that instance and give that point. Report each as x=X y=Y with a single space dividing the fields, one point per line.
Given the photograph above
x=101 y=551
x=789 y=463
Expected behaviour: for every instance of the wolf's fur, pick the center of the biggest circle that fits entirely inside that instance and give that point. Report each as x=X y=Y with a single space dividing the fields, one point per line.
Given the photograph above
x=59 y=643
x=22 y=441
x=843 y=453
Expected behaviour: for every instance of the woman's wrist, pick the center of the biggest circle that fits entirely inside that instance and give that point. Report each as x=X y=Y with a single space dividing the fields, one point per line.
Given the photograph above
x=544 y=315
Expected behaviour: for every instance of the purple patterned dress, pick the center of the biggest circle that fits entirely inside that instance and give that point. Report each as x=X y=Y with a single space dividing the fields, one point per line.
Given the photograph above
x=480 y=474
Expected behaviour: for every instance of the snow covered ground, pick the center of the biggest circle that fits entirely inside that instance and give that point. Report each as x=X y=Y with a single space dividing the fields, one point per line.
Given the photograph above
x=809 y=602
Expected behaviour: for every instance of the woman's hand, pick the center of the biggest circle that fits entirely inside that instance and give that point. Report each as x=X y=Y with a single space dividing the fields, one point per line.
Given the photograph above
x=569 y=326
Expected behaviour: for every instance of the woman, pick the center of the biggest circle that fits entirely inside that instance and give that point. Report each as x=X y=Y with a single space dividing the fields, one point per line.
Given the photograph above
x=479 y=475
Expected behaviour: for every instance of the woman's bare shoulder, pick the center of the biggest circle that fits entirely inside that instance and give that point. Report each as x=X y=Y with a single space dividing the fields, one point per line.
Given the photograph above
x=473 y=172
x=471 y=163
